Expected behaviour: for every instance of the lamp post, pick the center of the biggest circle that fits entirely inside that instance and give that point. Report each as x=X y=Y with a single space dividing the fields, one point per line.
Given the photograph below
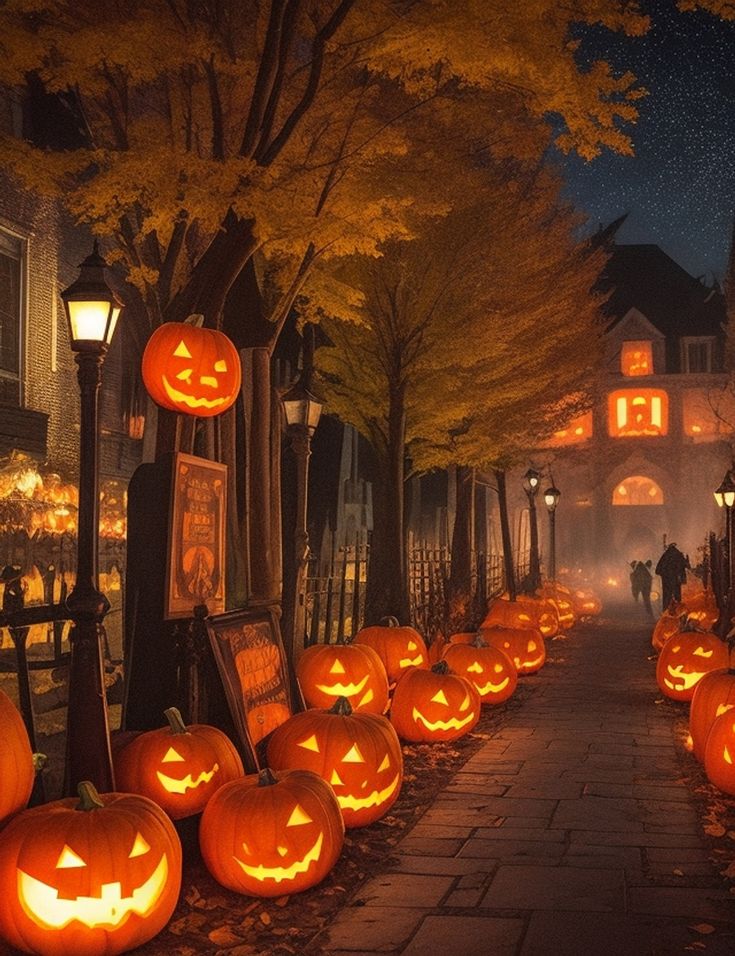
x=303 y=410
x=531 y=484
x=551 y=500
x=92 y=310
x=725 y=497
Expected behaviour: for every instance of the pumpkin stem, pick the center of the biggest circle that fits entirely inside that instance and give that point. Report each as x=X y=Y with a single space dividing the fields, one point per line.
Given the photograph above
x=266 y=777
x=196 y=319
x=89 y=799
x=389 y=621
x=39 y=762
x=478 y=641
x=342 y=707
x=441 y=667
x=175 y=720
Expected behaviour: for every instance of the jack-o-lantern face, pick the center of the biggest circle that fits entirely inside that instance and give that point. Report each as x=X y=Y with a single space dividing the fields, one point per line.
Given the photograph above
x=719 y=753
x=525 y=647
x=491 y=672
x=357 y=753
x=534 y=613
x=178 y=767
x=273 y=833
x=191 y=370
x=398 y=647
x=327 y=672
x=99 y=876
x=685 y=659
x=713 y=696
x=434 y=705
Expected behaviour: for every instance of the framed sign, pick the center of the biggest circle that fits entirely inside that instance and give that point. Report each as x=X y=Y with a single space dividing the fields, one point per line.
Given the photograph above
x=251 y=661
x=196 y=537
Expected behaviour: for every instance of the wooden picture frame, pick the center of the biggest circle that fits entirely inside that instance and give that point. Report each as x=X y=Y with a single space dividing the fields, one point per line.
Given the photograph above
x=195 y=569
x=252 y=665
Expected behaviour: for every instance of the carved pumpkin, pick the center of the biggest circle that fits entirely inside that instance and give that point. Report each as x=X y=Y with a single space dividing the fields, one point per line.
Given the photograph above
x=16 y=760
x=524 y=646
x=713 y=696
x=177 y=766
x=357 y=753
x=701 y=608
x=272 y=833
x=191 y=370
x=398 y=647
x=431 y=705
x=93 y=877
x=719 y=753
x=534 y=613
x=586 y=603
x=671 y=622
x=562 y=599
x=685 y=659
x=492 y=673
x=327 y=672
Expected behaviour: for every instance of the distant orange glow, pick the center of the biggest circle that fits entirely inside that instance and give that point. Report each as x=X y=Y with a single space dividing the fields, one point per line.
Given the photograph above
x=578 y=430
x=636 y=358
x=707 y=417
x=637 y=490
x=638 y=412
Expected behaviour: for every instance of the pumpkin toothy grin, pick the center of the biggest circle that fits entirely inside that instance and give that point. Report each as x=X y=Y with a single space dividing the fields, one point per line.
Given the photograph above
x=452 y=724
x=174 y=785
x=280 y=873
x=411 y=661
x=41 y=902
x=343 y=690
x=375 y=799
x=491 y=688
x=181 y=397
x=686 y=680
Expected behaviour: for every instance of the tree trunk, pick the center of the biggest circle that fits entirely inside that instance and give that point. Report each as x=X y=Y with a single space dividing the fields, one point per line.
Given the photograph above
x=510 y=578
x=460 y=594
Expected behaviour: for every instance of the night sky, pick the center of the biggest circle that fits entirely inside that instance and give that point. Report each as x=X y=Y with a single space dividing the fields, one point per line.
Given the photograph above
x=679 y=189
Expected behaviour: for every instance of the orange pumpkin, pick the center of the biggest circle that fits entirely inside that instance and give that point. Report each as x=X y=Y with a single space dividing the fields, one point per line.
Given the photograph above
x=16 y=760
x=671 y=622
x=431 y=705
x=191 y=370
x=272 y=833
x=398 y=647
x=562 y=599
x=357 y=753
x=713 y=696
x=586 y=603
x=327 y=672
x=685 y=659
x=702 y=609
x=719 y=753
x=93 y=877
x=535 y=613
x=524 y=646
x=489 y=670
x=177 y=766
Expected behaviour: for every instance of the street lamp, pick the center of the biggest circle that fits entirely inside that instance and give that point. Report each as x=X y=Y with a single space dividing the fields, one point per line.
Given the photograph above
x=92 y=311
x=551 y=500
x=302 y=410
x=531 y=485
x=725 y=497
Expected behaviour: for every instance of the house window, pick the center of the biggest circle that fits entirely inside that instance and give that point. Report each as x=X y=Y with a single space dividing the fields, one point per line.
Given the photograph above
x=11 y=299
x=708 y=414
x=696 y=355
x=638 y=412
x=637 y=490
x=636 y=358
x=578 y=430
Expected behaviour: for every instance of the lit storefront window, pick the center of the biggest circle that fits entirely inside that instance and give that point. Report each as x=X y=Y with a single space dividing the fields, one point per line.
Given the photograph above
x=638 y=412
x=637 y=490
x=636 y=358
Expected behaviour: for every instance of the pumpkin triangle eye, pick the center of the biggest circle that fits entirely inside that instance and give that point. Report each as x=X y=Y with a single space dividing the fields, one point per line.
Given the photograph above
x=412 y=645
x=220 y=366
x=310 y=744
x=475 y=668
x=700 y=652
x=182 y=351
x=69 y=859
x=298 y=817
x=337 y=668
x=440 y=698
x=532 y=645
x=172 y=756
x=139 y=847
x=465 y=703
x=498 y=668
x=385 y=764
x=353 y=755
x=336 y=780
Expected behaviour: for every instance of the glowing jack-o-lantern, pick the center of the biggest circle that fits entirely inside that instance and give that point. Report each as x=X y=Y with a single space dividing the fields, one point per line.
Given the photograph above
x=357 y=753
x=191 y=370
x=713 y=696
x=685 y=659
x=430 y=705
x=586 y=603
x=525 y=647
x=719 y=753
x=671 y=622
x=273 y=833
x=534 y=613
x=94 y=877
x=562 y=599
x=16 y=760
x=492 y=673
x=398 y=647
x=701 y=608
x=177 y=766
x=327 y=672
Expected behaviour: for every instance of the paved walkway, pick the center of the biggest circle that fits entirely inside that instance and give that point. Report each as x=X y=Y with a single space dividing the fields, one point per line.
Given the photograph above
x=570 y=832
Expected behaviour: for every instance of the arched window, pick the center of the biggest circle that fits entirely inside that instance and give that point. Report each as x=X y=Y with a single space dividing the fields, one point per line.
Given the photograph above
x=637 y=490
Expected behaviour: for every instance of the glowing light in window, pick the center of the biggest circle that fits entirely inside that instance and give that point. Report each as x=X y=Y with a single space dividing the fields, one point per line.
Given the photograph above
x=634 y=413
x=638 y=490
x=636 y=358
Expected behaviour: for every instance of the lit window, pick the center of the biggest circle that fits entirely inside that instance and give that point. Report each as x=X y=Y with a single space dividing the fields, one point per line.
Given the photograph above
x=637 y=490
x=639 y=412
x=578 y=430
x=11 y=293
x=708 y=414
x=636 y=358
x=696 y=354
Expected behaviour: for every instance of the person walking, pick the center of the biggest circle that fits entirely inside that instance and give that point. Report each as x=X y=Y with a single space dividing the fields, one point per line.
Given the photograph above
x=671 y=568
x=640 y=583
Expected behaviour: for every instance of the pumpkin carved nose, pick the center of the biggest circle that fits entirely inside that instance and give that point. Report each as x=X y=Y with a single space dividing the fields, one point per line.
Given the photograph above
x=208 y=380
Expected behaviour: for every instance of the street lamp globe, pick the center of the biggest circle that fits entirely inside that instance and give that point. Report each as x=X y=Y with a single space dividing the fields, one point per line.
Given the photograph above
x=725 y=494
x=92 y=307
x=531 y=481
x=302 y=407
x=551 y=498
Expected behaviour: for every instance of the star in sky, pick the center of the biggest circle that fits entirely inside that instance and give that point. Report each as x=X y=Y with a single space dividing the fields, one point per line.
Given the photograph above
x=679 y=189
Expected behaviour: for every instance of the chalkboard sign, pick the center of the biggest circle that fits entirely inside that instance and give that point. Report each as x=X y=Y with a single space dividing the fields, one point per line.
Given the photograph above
x=251 y=661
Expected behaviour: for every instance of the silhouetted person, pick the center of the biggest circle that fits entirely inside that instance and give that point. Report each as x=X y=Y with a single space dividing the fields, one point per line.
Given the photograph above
x=640 y=583
x=671 y=568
